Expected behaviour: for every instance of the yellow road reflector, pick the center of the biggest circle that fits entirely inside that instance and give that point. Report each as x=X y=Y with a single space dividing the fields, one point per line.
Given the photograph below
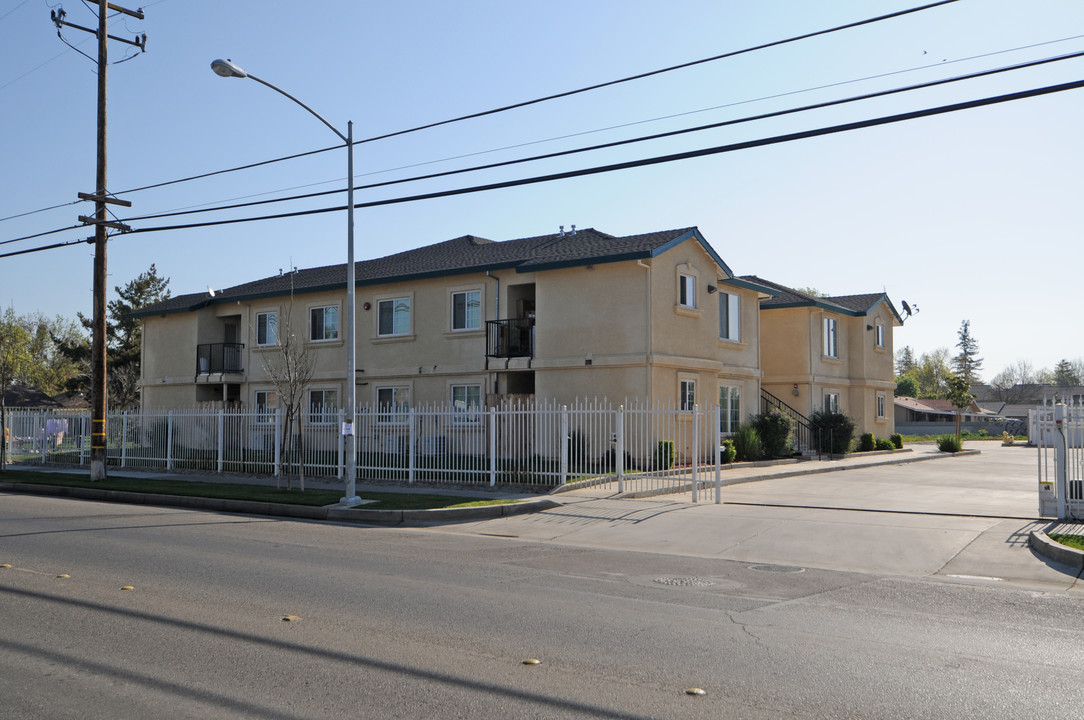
x=64 y=575
x=5 y=565
x=532 y=661
x=127 y=587
x=695 y=691
x=290 y=618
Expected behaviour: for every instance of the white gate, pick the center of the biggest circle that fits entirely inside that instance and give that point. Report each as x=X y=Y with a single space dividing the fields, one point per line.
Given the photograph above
x=1058 y=432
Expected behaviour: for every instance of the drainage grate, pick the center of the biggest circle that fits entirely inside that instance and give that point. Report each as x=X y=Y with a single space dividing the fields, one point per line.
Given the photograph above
x=684 y=581
x=777 y=568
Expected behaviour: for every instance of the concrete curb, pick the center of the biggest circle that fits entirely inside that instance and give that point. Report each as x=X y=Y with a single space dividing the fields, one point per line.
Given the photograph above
x=1041 y=543
x=334 y=513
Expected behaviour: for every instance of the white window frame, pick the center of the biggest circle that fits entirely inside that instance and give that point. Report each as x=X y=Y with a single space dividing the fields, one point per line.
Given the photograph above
x=831 y=337
x=324 y=416
x=323 y=325
x=729 y=408
x=687 y=290
x=879 y=334
x=466 y=410
x=831 y=402
x=729 y=317
x=880 y=407
x=270 y=327
x=686 y=394
x=392 y=331
x=396 y=409
x=266 y=403
x=468 y=322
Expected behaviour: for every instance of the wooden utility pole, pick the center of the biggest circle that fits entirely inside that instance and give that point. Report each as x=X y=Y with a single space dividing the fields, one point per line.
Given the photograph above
x=101 y=223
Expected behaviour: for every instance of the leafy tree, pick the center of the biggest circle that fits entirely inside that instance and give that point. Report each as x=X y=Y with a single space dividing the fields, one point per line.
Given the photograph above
x=905 y=360
x=49 y=368
x=959 y=394
x=14 y=356
x=967 y=363
x=812 y=292
x=124 y=339
x=906 y=386
x=1065 y=374
x=931 y=374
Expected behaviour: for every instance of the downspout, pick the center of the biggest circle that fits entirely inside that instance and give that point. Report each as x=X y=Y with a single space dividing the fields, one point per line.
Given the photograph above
x=650 y=348
x=497 y=316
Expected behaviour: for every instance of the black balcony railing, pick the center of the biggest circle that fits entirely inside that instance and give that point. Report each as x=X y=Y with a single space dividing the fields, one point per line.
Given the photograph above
x=219 y=358
x=510 y=338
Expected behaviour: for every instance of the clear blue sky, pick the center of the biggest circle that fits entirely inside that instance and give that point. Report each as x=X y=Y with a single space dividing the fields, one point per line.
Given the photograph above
x=974 y=215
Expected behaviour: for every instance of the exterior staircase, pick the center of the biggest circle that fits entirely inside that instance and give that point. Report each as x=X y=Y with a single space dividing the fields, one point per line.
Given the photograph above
x=801 y=429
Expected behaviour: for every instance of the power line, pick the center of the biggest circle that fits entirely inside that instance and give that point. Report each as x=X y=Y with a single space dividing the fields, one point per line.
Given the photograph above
x=646 y=138
x=568 y=93
x=704 y=152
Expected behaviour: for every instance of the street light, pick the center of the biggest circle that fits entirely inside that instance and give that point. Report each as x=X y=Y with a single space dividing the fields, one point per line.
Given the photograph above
x=226 y=68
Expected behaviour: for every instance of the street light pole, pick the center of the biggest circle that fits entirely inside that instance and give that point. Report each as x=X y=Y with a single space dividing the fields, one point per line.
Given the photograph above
x=226 y=68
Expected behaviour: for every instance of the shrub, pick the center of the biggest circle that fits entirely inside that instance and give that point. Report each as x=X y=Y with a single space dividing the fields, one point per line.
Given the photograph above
x=883 y=444
x=774 y=431
x=664 y=455
x=832 y=431
x=728 y=453
x=747 y=443
x=947 y=443
x=897 y=440
x=867 y=442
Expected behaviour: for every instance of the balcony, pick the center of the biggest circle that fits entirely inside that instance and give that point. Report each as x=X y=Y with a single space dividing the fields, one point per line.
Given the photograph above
x=218 y=358
x=510 y=338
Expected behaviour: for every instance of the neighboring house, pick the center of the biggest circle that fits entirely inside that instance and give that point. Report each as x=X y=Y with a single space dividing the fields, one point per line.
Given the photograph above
x=830 y=353
x=466 y=322
x=915 y=416
x=21 y=396
x=1015 y=402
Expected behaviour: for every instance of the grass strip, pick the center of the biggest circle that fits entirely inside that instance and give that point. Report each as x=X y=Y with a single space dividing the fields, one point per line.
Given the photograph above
x=1074 y=541
x=256 y=493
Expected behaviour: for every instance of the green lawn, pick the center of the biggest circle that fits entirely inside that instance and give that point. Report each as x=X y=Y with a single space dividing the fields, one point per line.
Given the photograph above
x=258 y=493
x=1074 y=541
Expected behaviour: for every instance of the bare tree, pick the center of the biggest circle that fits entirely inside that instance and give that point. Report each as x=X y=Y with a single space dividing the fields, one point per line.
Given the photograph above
x=1009 y=384
x=290 y=370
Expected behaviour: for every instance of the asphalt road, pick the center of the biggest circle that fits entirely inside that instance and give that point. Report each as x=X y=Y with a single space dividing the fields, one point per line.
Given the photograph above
x=416 y=623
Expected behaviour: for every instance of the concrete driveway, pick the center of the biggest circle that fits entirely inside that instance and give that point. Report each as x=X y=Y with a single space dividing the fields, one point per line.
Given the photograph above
x=965 y=518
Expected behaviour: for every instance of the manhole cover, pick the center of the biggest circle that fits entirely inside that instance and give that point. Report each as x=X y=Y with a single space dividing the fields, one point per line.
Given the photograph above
x=684 y=581
x=778 y=568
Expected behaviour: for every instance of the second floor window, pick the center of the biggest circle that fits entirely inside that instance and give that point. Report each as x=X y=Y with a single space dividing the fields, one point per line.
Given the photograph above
x=324 y=323
x=267 y=328
x=687 y=291
x=393 y=317
x=467 y=310
x=831 y=337
x=879 y=334
x=729 y=317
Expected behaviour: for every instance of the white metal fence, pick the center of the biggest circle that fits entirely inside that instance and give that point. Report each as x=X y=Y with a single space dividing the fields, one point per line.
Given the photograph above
x=639 y=446
x=1058 y=431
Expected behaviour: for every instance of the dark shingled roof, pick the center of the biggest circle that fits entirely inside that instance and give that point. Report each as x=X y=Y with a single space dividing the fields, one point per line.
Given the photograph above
x=458 y=256
x=847 y=304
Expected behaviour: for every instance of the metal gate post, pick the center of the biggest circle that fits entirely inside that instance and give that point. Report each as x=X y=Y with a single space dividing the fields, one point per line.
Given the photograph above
x=411 y=443
x=124 y=440
x=564 y=444
x=1061 y=461
x=221 y=437
x=169 y=441
x=716 y=432
x=620 y=449
x=492 y=447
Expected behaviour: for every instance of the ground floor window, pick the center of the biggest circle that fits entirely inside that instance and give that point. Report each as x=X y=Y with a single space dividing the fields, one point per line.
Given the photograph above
x=323 y=406
x=831 y=402
x=466 y=403
x=393 y=404
x=687 y=396
x=266 y=403
x=880 y=407
x=729 y=408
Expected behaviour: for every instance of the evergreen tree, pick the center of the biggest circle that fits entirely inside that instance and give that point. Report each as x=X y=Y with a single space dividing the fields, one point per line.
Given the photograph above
x=968 y=363
x=905 y=360
x=1065 y=374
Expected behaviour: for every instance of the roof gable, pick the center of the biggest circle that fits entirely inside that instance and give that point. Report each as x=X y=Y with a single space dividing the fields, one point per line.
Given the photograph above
x=854 y=305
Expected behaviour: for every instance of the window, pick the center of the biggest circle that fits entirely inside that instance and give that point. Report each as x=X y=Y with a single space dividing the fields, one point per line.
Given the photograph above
x=687 y=290
x=324 y=323
x=323 y=406
x=266 y=403
x=831 y=402
x=729 y=408
x=393 y=317
x=831 y=337
x=467 y=310
x=393 y=404
x=879 y=334
x=880 y=406
x=687 y=398
x=729 y=317
x=267 y=328
x=466 y=403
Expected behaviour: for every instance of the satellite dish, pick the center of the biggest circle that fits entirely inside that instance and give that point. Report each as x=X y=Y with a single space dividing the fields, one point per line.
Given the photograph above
x=210 y=291
x=906 y=307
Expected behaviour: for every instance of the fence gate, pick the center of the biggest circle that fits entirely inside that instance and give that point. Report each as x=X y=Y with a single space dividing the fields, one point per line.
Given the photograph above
x=1058 y=432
